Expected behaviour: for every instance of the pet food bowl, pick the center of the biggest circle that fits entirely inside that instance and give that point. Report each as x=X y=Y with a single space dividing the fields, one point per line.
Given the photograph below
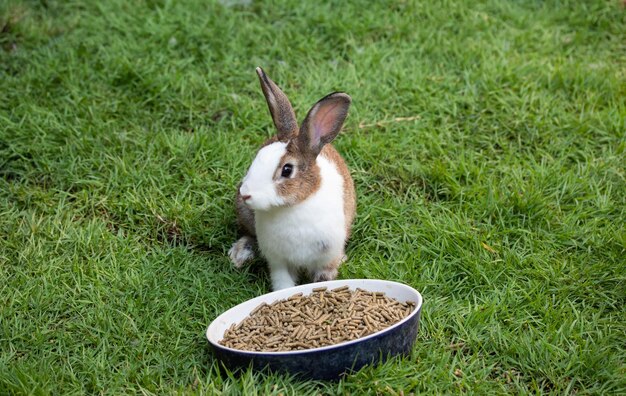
x=327 y=362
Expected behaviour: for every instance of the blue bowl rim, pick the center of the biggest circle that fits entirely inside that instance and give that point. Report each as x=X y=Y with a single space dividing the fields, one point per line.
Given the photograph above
x=308 y=287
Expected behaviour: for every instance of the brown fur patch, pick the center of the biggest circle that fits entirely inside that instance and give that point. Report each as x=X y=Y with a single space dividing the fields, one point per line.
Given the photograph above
x=307 y=179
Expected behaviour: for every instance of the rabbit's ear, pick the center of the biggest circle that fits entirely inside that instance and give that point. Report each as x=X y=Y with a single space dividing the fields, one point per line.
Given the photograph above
x=323 y=122
x=280 y=108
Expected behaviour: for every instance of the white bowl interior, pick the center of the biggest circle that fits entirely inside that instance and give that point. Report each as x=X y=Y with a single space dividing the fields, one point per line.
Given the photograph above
x=399 y=291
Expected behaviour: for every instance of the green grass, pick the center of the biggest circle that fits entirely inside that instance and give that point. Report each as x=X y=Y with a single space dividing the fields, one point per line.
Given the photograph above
x=125 y=126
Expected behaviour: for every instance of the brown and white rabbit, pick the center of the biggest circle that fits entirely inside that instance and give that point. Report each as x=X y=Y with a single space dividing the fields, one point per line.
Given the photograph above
x=297 y=199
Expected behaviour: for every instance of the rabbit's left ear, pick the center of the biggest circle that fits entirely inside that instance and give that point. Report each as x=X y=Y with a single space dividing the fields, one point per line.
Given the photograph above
x=280 y=107
x=323 y=122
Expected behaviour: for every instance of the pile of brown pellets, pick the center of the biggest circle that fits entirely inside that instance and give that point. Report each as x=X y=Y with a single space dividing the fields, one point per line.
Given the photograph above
x=325 y=317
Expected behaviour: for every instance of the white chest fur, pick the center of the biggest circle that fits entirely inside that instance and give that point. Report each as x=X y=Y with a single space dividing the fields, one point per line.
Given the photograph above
x=309 y=234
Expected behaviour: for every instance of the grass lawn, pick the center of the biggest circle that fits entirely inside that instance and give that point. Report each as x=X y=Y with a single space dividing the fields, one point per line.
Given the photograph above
x=486 y=139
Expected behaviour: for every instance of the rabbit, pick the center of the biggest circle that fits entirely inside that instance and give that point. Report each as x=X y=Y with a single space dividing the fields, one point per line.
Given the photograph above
x=297 y=200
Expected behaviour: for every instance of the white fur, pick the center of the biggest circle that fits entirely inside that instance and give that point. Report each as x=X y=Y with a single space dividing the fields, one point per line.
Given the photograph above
x=309 y=235
x=259 y=183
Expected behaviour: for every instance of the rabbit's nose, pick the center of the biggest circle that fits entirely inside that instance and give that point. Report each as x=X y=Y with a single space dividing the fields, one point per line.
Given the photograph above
x=244 y=191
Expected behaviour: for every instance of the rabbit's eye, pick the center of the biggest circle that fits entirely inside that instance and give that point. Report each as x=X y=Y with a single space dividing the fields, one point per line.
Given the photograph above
x=287 y=170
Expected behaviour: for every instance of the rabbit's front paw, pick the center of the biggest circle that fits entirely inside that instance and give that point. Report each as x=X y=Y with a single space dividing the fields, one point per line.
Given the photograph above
x=242 y=251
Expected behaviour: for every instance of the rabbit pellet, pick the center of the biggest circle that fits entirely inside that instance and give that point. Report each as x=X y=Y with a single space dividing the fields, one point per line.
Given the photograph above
x=325 y=317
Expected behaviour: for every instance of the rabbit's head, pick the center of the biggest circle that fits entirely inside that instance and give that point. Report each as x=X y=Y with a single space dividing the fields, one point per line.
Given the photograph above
x=285 y=172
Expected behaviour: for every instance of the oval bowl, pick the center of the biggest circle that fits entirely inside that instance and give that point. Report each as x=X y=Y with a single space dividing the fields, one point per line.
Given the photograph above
x=328 y=362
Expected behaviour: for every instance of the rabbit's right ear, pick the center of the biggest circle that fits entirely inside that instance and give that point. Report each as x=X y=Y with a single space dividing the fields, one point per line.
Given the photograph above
x=280 y=108
x=323 y=122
